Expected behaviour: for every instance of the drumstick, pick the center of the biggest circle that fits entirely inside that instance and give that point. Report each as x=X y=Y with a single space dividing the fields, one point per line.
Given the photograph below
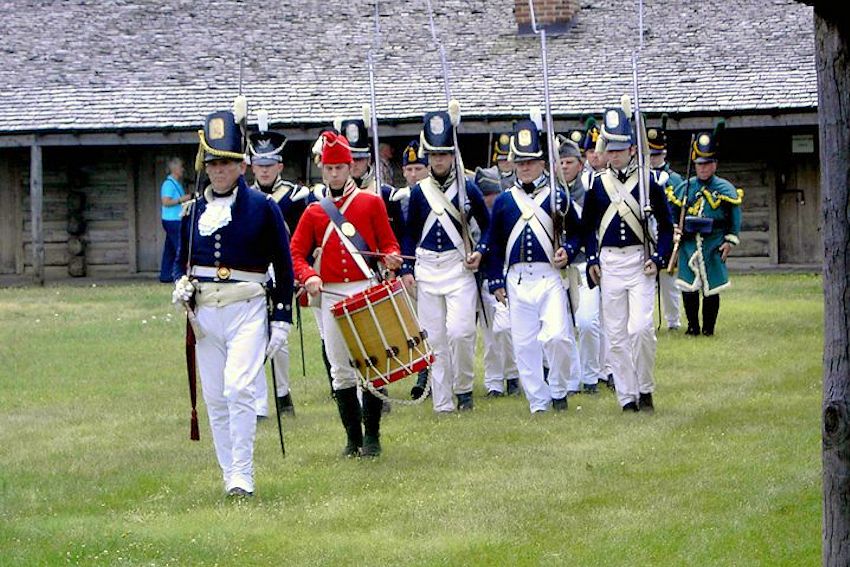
x=382 y=254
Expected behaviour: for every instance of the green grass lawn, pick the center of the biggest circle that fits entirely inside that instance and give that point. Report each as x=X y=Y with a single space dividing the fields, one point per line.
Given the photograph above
x=96 y=466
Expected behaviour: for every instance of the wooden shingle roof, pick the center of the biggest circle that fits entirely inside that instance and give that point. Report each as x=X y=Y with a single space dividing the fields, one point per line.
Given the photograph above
x=106 y=65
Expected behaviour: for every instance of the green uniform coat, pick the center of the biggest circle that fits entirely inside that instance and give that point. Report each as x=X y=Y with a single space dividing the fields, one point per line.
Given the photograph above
x=700 y=266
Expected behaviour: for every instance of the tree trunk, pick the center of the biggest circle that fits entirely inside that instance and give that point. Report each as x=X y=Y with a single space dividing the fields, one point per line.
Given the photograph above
x=832 y=37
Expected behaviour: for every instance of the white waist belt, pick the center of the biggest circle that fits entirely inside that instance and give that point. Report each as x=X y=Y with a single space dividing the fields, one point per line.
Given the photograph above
x=227 y=274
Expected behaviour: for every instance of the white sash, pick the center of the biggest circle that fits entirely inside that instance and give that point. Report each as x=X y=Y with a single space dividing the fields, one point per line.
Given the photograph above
x=622 y=203
x=532 y=215
x=440 y=204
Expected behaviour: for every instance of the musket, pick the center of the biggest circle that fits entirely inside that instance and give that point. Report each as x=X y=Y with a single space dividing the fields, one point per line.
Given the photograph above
x=453 y=107
x=643 y=170
x=674 y=256
x=557 y=218
x=374 y=109
x=460 y=173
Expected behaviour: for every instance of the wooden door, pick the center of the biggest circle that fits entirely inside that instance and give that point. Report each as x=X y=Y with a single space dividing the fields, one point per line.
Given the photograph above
x=800 y=239
x=10 y=221
x=149 y=232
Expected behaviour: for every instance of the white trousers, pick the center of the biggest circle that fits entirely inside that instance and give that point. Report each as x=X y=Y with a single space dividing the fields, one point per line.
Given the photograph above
x=281 y=375
x=670 y=297
x=229 y=358
x=446 y=305
x=589 y=324
x=499 y=363
x=629 y=299
x=540 y=317
x=343 y=375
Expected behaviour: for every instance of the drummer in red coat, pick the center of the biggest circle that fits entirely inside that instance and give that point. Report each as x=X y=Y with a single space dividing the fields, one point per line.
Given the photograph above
x=333 y=230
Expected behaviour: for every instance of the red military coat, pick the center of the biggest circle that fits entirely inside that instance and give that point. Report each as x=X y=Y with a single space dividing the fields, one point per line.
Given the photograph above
x=366 y=212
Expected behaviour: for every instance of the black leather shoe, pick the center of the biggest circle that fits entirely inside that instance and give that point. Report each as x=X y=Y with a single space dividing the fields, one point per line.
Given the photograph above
x=708 y=332
x=631 y=406
x=645 y=403
x=351 y=451
x=464 y=401
x=513 y=386
x=284 y=405
x=609 y=383
x=571 y=393
x=591 y=389
x=559 y=404
x=237 y=493
x=692 y=331
x=494 y=394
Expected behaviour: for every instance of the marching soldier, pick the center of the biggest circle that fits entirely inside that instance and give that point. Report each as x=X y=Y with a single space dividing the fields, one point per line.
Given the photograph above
x=229 y=237
x=347 y=221
x=594 y=161
x=500 y=371
x=362 y=171
x=620 y=259
x=264 y=154
x=446 y=288
x=587 y=315
x=523 y=270
x=502 y=160
x=415 y=169
x=667 y=178
x=711 y=229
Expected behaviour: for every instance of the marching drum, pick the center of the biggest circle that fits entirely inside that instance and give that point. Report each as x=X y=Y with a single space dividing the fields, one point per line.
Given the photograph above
x=382 y=333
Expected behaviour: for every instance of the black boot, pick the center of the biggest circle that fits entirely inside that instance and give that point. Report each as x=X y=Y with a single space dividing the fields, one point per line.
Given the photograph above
x=513 y=386
x=349 y=414
x=418 y=390
x=691 y=301
x=464 y=401
x=284 y=405
x=645 y=403
x=710 y=308
x=372 y=406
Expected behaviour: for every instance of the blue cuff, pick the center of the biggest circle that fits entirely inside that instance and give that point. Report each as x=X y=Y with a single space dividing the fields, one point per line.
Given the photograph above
x=496 y=284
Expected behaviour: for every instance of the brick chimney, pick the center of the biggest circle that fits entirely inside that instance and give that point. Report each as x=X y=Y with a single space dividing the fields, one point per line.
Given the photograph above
x=557 y=16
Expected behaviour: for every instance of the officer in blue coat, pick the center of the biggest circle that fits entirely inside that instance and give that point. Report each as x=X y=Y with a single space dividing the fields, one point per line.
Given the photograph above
x=526 y=247
x=229 y=236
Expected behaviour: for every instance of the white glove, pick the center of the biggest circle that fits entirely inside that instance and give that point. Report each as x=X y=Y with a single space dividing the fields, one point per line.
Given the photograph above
x=183 y=290
x=278 y=338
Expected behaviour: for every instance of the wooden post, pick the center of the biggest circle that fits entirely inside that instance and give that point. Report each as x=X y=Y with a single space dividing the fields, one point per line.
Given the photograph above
x=36 y=208
x=832 y=55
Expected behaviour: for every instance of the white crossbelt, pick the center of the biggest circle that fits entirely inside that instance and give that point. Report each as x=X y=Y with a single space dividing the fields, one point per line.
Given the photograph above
x=533 y=215
x=440 y=204
x=622 y=203
x=228 y=274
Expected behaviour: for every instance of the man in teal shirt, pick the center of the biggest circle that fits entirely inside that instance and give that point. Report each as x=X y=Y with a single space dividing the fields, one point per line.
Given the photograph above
x=172 y=195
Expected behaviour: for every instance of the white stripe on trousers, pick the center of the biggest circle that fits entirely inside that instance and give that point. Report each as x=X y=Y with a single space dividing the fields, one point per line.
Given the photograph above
x=629 y=299
x=229 y=358
x=539 y=316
